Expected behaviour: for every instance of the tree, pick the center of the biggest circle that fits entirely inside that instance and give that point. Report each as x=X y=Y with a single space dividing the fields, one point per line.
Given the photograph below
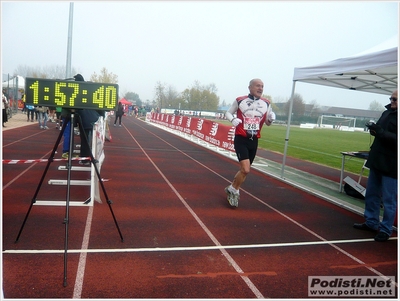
x=50 y=72
x=167 y=97
x=104 y=77
x=298 y=106
x=172 y=99
x=201 y=98
x=278 y=110
x=269 y=97
x=160 y=95
x=134 y=97
x=212 y=88
x=376 y=106
x=315 y=108
x=275 y=108
x=209 y=100
x=196 y=98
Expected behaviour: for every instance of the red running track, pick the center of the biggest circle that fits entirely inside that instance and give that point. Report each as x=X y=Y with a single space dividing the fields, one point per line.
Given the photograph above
x=181 y=238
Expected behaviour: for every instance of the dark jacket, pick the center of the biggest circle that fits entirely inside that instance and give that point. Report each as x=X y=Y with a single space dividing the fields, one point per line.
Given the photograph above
x=383 y=153
x=88 y=117
x=120 y=110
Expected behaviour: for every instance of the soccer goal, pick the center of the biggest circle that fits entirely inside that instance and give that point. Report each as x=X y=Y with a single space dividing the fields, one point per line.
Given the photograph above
x=337 y=123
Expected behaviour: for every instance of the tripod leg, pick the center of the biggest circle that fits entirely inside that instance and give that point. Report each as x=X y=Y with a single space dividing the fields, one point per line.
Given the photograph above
x=94 y=161
x=50 y=160
x=66 y=219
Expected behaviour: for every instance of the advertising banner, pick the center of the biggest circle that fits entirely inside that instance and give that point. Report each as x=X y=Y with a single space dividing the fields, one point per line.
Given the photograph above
x=209 y=131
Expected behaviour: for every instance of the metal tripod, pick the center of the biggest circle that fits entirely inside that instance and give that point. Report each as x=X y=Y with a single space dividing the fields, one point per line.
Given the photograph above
x=70 y=118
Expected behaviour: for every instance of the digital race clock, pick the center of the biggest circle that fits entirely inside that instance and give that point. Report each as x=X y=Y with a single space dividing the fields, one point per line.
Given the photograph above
x=70 y=94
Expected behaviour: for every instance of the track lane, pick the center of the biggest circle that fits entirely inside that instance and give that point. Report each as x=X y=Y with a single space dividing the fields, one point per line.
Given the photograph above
x=152 y=215
x=318 y=236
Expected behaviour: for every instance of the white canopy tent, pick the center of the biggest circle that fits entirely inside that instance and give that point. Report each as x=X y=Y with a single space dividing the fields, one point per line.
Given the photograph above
x=16 y=81
x=374 y=71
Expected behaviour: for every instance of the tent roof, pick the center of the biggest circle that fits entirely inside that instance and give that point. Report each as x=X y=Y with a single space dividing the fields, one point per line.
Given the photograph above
x=13 y=81
x=125 y=102
x=372 y=71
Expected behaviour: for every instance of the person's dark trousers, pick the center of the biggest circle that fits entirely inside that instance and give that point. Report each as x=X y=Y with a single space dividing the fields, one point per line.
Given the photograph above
x=31 y=113
x=380 y=189
x=118 y=117
x=86 y=150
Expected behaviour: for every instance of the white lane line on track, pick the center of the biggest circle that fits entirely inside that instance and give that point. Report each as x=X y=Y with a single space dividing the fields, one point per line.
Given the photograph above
x=84 y=250
x=26 y=170
x=82 y=258
x=277 y=211
x=198 y=248
x=19 y=140
x=237 y=268
x=32 y=165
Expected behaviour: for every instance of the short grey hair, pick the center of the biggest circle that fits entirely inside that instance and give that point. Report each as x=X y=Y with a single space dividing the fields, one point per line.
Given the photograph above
x=253 y=80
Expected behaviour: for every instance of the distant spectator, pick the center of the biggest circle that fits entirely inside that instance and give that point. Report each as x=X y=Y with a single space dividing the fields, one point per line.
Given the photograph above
x=58 y=118
x=42 y=116
x=4 y=106
x=118 y=114
x=52 y=114
x=30 y=112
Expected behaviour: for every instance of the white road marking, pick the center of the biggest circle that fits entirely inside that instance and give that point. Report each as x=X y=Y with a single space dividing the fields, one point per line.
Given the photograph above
x=196 y=248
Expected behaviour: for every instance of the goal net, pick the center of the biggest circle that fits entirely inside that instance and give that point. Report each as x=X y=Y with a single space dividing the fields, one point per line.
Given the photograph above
x=335 y=122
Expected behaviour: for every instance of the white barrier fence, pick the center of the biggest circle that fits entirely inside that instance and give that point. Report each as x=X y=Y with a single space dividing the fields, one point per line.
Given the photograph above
x=97 y=139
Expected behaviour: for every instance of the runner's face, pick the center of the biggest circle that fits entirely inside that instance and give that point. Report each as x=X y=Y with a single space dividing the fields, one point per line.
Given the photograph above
x=257 y=88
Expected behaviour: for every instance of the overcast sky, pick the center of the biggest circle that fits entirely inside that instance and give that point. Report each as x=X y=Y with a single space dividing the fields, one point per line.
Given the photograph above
x=179 y=42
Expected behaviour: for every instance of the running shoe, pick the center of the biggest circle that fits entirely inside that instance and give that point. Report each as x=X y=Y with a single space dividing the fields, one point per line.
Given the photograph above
x=64 y=155
x=232 y=197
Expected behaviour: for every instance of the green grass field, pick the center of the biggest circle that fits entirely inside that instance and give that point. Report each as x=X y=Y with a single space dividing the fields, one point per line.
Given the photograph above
x=322 y=146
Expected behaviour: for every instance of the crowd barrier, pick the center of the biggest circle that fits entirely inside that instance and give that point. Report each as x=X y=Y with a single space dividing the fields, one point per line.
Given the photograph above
x=98 y=138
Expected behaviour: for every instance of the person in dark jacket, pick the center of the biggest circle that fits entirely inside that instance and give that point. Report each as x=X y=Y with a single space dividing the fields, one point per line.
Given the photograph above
x=382 y=179
x=88 y=118
x=119 y=112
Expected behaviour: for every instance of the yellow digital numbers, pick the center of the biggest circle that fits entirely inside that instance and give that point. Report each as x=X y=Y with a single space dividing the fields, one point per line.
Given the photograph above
x=71 y=94
x=35 y=88
x=60 y=98
x=75 y=92
x=111 y=97
x=105 y=97
x=98 y=97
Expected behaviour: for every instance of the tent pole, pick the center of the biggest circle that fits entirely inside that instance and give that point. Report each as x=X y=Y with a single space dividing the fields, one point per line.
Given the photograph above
x=288 y=128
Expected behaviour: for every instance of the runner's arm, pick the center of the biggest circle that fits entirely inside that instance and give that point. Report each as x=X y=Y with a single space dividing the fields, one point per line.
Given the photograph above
x=232 y=110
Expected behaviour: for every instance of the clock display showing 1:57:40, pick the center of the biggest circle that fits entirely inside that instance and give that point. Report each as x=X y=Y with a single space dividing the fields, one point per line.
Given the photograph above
x=70 y=94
